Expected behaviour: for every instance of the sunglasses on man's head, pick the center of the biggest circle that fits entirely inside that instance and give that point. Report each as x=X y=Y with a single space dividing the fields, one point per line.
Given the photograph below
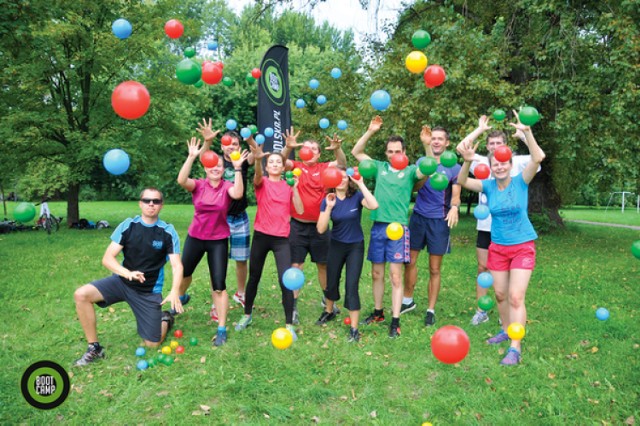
x=151 y=200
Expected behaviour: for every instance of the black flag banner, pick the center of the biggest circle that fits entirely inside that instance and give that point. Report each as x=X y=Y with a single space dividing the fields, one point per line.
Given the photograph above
x=274 y=108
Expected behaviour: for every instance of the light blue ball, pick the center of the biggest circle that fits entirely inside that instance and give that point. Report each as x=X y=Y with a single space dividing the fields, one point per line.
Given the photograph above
x=259 y=139
x=324 y=123
x=300 y=103
x=121 y=28
x=336 y=73
x=350 y=171
x=268 y=132
x=314 y=84
x=485 y=280
x=293 y=278
x=142 y=365
x=141 y=351
x=245 y=132
x=322 y=99
x=116 y=161
x=342 y=125
x=231 y=124
x=481 y=212
x=380 y=100
x=602 y=314
x=212 y=45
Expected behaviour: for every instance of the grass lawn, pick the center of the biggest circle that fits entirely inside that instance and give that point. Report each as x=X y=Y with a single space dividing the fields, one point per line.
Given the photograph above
x=611 y=215
x=575 y=370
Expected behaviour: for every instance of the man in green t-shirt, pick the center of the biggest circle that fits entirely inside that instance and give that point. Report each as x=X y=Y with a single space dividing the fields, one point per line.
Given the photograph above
x=393 y=192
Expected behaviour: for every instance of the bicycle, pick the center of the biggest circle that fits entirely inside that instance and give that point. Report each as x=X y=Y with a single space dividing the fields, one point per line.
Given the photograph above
x=46 y=220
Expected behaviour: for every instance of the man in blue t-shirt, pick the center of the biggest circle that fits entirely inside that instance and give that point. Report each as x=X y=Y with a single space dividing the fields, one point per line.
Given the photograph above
x=146 y=242
x=434 y=214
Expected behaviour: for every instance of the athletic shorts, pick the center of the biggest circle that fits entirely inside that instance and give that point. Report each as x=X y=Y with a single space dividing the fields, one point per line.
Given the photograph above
x=146 y=307
x=382 y=249
x=304 y=238
x=240 y=240
x=505 y=258
x=483 y=240
x=430 y=233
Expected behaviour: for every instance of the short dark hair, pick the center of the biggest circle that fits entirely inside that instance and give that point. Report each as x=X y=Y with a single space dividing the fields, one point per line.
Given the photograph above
x=394 y=138
x=233 y=134
x=441 y=129
x=151 y=188
x=497 y=134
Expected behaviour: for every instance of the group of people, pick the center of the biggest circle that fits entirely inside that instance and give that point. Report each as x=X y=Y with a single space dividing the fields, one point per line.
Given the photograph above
x=302 y=217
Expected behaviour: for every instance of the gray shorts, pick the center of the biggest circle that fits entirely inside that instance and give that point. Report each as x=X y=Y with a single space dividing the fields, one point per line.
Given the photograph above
x=145 y=306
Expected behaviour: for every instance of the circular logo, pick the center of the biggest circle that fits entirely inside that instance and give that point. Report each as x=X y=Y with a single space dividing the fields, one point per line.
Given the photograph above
x=45 y=385
x=273 y=83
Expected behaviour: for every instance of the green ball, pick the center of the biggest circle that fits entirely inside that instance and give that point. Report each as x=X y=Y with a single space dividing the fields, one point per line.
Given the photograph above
x=288 y=174
x=188 y=71
x=486 y=303
x=250 y=79
x=190 y=52
x=198 y=84
x=448 y=159
x=160 y=358
x=499 y=115
x=152 y=362
x=291 y=181
x=428 y=166
x=529 y=116
x=439 y=181
x=253 y=128
x=368 y=169
x=24 y=212
x=167 y=361
x=635 y=249
x=421 y=39
x=193 y=341
x=227 y=81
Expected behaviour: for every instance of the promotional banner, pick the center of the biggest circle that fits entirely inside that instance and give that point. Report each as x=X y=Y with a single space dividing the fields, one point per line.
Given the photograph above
x=274 y=109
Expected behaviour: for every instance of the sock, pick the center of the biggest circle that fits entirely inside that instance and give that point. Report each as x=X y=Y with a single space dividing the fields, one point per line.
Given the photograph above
x=407 y=300
x=395 y=322
x=378 y=312
x=95 y=346
x=432 y=311
x=222 y=329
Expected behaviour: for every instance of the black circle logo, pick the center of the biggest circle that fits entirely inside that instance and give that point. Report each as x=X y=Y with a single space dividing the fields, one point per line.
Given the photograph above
x=45 y=385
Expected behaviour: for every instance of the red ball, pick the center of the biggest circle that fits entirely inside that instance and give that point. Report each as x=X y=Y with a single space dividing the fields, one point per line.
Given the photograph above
x=399 y=161
x=255 y=73
x=130 y=100
x=482 y=171
x=450 y=344
x=331 y=177
x=502 y=153
x=219 y=64
x=347 y=321
x=305 y=153
x=174 y=28
x=180 y=350
x=211 y=73
x=177 y=334
x=356 y=175
x=209 y=159
x=434 y=76
x=226 y=140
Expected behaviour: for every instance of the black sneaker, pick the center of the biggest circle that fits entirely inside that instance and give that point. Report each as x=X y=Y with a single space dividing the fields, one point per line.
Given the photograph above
x=430 y=319
x=354 y=335
x=336 y=310
x=295 y=317
x=373 y=318
x=325 y=317
x=394 y=331
x=406 y=308
x=90 y=356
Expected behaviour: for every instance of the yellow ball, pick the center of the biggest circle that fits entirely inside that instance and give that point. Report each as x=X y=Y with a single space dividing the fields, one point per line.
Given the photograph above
x=297 y=172
x=426 y=424
x=416 y=62
x=516 y=331
x=166 y=350
x=281 y=338
x=174 y=344
x=395 y=231
x=235 y=155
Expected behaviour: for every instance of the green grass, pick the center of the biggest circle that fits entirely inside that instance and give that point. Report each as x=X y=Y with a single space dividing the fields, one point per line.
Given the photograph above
x=611 y=215
x=575 y=370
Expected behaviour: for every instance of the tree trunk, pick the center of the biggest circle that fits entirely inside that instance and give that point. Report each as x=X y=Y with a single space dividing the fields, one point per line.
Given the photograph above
x=543 y=197
x=73 y=207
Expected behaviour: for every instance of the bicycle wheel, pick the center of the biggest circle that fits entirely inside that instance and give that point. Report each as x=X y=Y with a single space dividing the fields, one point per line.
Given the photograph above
x=55 y=224
x=47 y=224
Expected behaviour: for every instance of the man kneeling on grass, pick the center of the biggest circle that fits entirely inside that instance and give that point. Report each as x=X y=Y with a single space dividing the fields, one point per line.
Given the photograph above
x=145 y=242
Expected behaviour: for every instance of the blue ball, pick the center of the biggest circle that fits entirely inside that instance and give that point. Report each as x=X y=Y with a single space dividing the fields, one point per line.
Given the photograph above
x=602 y=314
x=485 y=280
x=481 y=212
x=231 y=124
x=336 y=73
x=300 y=103
x=259 y=139
x=322 y=99
x=141 y=351
x=212 y=45
x=314 y=84
x=142 y=365
x=121 y=28
x=380 y=100
x=245 y=132
x=324 y=123
x=293 y=278
x=342 y=125
x=116 y=161
x=268 y=132
x=350 y=171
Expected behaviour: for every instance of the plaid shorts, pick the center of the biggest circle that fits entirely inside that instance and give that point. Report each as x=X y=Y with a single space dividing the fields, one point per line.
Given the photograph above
x=240 y=236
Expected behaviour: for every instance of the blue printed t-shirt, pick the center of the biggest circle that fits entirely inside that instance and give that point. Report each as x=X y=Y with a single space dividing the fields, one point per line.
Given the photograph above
x=145 y=249
x=434 y=204
x=346 y=215
x=510 y=224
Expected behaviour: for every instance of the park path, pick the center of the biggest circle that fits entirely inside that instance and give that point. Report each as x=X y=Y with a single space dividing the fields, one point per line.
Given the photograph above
x=615 y=225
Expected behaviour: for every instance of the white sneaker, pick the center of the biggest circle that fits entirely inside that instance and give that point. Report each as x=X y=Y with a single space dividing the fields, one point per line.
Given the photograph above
x=479 y=318
x=213 y=313
x=239 y=298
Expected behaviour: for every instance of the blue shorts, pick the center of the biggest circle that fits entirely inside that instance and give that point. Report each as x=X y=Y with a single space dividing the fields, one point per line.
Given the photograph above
x=240 y=239
x=382 y=249
x=430 y=233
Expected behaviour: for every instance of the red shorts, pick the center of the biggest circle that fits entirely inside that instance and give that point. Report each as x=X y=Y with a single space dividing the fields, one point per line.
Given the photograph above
x=505 y=258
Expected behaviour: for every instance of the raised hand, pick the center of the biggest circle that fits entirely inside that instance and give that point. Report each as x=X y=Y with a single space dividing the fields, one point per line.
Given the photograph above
x=518 y=125
x=290 y=138
x=331 y=200
x=335 y=142
x=376 y=124
x=194 y=147
x=243 y=157
x=483 y=123
x=425 y=135
x=467 y=151
x=256 y=150
x=206 y=130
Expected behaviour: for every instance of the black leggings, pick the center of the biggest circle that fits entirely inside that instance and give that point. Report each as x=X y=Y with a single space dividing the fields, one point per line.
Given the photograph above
x=261 y=245
x=217 y=257
x=351 y=255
